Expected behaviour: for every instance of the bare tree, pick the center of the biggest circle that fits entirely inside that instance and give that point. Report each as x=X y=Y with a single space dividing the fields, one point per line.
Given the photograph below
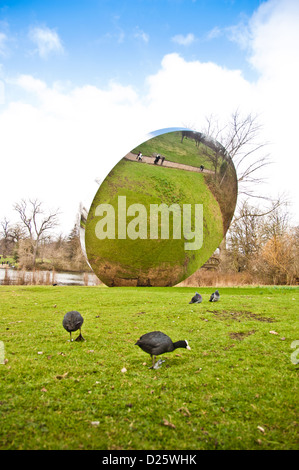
x=36 y=222
x=5 y=236
x=244 y=235
x=277 y=221
x=17 y=232
x=240 y=141
x=252 y=229
x=212 y=134
x=278 y=259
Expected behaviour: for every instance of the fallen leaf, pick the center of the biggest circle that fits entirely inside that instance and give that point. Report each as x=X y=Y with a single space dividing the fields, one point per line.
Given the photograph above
x=40 y=352
x=184 y=410
x=124 y=370
x=261 y=429
x=59 y=377
x=273 y=332
x=44 y=389
x=167 y=423
x=95 y=423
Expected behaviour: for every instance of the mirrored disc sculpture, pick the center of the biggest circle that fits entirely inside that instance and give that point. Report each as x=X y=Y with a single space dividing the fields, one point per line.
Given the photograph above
x=161 y=212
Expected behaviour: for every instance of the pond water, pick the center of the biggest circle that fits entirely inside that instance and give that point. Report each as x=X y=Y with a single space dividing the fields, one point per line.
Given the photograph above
x=47 y=277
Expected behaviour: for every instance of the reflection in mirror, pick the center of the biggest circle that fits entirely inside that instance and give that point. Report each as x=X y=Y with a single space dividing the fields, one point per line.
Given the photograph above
x=161 y=212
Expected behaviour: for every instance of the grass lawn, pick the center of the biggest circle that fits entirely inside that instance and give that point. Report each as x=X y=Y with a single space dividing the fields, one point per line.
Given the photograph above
x=236 y=389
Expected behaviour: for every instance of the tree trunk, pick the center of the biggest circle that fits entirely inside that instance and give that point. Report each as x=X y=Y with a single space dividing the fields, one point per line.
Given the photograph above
x=35 y=247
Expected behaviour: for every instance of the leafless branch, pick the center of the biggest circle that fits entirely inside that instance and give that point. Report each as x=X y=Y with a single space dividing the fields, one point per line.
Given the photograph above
x=35 y=221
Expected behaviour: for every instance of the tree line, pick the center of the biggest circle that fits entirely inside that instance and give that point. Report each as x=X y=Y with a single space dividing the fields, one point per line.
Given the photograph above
x=263 y=244
x=31 y=242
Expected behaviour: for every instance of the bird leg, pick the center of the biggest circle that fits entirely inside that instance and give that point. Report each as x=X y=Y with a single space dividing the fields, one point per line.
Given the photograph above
x=80 y=337
x=156 y=365
x=153 y=361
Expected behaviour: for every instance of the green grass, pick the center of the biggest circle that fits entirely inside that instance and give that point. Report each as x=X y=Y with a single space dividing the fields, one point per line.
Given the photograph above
x=236 y=377
x=174 y=150
x=7 y=258
x=148 y=184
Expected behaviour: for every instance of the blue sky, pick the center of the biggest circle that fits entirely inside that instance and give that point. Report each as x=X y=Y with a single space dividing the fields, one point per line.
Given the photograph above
x=101 y=40
x=75 y=74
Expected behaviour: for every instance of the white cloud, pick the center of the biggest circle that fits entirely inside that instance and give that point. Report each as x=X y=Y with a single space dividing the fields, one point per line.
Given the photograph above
x=183 y=40
x=275 y=38
x=56 y=147
x=214 y=33
x=46 y=40
x=2 y=92
x=139 y=34
x=3 y=41
x=188 y=91
x=239 y=33
x=30 y=84
x=274 y=53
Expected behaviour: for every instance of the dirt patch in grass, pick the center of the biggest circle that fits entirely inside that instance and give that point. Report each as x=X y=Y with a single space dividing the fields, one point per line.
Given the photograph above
x=239 y=315
x=241 y=335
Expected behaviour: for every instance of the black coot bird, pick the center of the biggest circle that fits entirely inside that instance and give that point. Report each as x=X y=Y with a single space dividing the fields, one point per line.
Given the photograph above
x=73 y=321
x=215 y=296
x=156 y=343
x=196 y=299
